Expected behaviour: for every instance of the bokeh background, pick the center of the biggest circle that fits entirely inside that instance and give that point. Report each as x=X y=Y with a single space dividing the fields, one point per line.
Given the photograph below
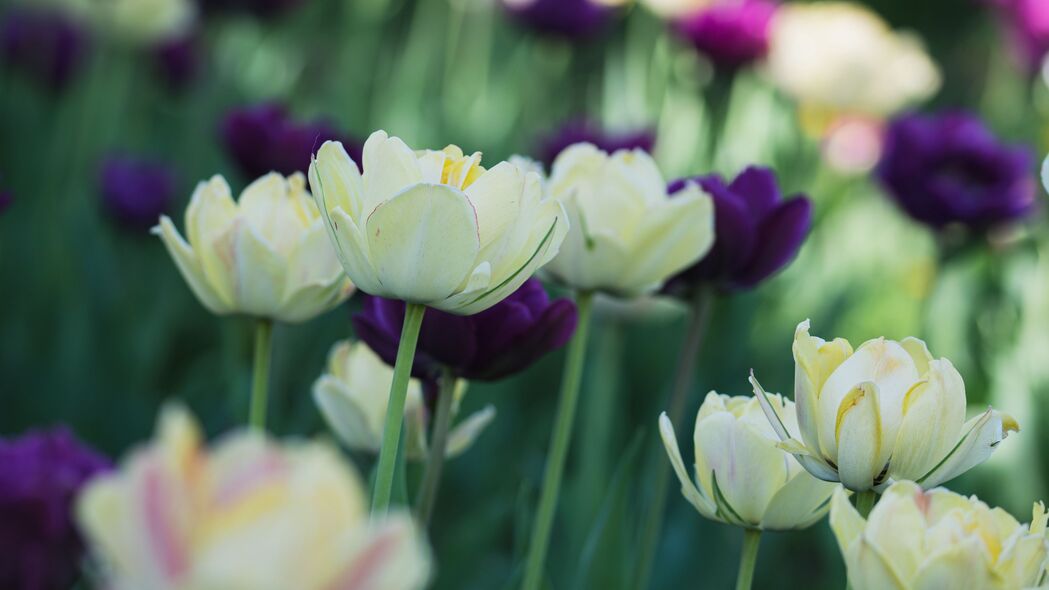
x=99 y=329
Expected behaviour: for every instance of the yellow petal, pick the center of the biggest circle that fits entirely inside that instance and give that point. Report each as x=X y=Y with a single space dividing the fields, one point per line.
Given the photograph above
x=189 y=265
x=933 y=414
x=210 y=215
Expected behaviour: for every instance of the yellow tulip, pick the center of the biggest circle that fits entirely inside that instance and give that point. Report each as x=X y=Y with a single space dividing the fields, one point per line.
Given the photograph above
x=888 y=411
x=266 y=256
x=918 y=540
x=742 y=477
x=248 y=514
x=628 y=235
x=435 y=227
x=353 y=396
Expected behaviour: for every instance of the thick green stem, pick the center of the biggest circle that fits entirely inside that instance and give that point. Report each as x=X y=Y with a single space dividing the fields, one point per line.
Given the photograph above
x=865 y=502
x=261 y=374
x=427 y=496
x=391 y=432
x=747 y=560
x=555 y=462
x=683 y=380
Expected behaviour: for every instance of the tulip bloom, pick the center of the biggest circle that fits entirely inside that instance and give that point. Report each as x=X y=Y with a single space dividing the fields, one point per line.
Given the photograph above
x=566 y=18
x=918 y=540
x=266 y=255
x=742 y=477
x=48 y=46
x=582 y=131
x=628 y=234
x=135 y=192
x=888 y=411
x=1026 y=23
x=355 y=391
x=732 y=33
x=249 y=513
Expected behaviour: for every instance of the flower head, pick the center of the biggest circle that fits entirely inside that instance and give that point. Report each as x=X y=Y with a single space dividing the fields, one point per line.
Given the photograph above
x=261 y=8
x=915 y=539
x=741 y=476
x=353 y=396
x=1026 y=22
x=267 y=255
x=435 y=227
x=567 y=18
x=732 y=33
x=502 y=340
x=950 y=168
x=247 y=513
x=42 y=473
x=756 y=232
x=136 y=191
x=629 y=234
x=264 y=138
x=886 y=411
x=47 y=45
x=177 y=62
x=582 y=131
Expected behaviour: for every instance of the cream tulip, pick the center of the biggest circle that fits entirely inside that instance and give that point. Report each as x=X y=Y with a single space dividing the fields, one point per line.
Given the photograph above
x=741 y=476
x=918 y=540
x=628 y=235
x=355 y=392
x=888 y=411
x=434 y=227
x=249 y=513
x=267 y=255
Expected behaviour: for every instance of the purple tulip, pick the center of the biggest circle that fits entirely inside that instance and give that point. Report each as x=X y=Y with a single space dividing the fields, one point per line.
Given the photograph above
x=581 y=131
x=731 y=33
x=756 y=232
x=177 y=62
x=949 y=168
x=40 y=476
x=488 y=346
x=260 y=8
x=564 y=18
x=263 y=139
x=44 y=45
x=135 y=191
x=1026 y=22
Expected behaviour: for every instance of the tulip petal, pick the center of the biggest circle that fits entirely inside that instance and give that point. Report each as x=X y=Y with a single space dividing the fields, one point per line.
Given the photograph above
x=423 y=242
x=210 y=215
x=869 y=570
x=314 y=267
x=861 y=450
x=845 y=521
x=496 y=196
x=982 y=435
x=313 y=300
x=780 y=236
x=276 y=209
x=345 y=416
x=814 y=361
x=812 y=463
x=390 y=168
x=961 y=566
x=933 y=415
x=259 y=271
x=897 y=526
x=704 y=505
x=353 y=252
x=336 y=181
x=466 y=432
x=189 y=265
x=392 y=556
x=799 y=503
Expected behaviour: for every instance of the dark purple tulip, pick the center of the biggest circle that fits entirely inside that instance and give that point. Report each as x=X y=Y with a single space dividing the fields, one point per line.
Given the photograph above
x=44 y=45
x=488 y=346
x=40 y=475
x=731 y=33
x=949 y=168
x=177 y=62
x=584 y=132
x=261 y=8
x=1026 y=22
x=135 y=192
x=263 y=139
x=565 y=18
x=756 y=232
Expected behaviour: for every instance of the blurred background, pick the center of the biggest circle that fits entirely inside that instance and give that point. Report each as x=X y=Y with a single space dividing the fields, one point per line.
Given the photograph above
x=108 y=121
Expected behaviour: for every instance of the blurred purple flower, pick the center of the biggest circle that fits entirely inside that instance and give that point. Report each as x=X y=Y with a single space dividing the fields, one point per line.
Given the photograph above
x=177 y=62
x=40 y=476
x=261 y=8
x=731 y=33
x=949 y=168
x=488 y=346
x=756 y=231
x=44 y=45
x=135 y=191
x=263 y=139
x=583 y=131
x=565 y=18
x=1026 y=22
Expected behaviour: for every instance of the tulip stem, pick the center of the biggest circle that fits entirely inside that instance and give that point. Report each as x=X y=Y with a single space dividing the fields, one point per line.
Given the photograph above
x=865 y=502
x=748 y=559
x=261 y=374
x=683 y=381
x=391 y=432
x=562 y=435
x=427 y=496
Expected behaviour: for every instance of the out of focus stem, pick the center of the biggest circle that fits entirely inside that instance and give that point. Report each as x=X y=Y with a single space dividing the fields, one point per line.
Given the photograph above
x=748 y=559
x=427 y=496
x=562 y=436
x=683 y=381
x=865 y=502
x=391 y=432
x=260 y=378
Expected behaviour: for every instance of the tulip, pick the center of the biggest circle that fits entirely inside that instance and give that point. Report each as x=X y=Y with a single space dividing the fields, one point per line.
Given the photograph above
x=888 y=411
x=353 y=396
x=248 y=513
x=46 y=45
x=926 y=540
x=177 y=62
x=583 y=131
x=42 y=473
x=731 y=33
x=136 y=191
x=565 y=18
x=1026 y=23
x=628 y=234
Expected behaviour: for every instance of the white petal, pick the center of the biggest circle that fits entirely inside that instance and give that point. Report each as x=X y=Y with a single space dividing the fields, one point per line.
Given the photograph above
x=862 y=452
x=390 y=167
x=688 y=487
x=981 y=436
x=189 y=265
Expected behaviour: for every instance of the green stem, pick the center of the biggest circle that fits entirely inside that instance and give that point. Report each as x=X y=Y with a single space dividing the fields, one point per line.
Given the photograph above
x=261 y=374
x=751 y=541
x=683 y=380
x=427 y=496
x=865 y=502
x=562 y=435
x=391 y=432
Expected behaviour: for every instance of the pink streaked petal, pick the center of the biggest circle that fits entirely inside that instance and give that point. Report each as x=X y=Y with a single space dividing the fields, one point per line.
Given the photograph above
x=361 y=573
x=163 y=536
x=269 y=467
